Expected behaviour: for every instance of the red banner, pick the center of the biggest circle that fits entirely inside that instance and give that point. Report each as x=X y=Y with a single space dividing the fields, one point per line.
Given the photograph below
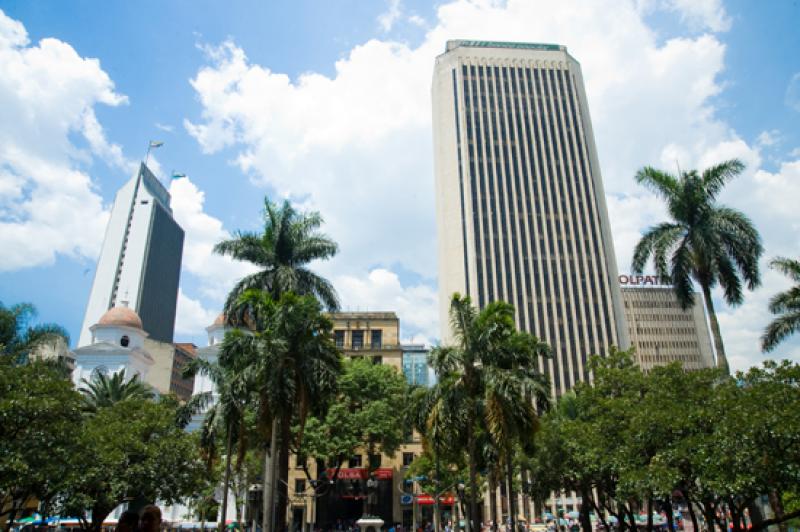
x=426 y=499
x=362 y=473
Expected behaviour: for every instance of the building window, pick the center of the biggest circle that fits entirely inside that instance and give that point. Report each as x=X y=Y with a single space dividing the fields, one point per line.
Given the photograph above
x=124 y=341
x=299 y=461
x=377 y=360
x=355 y=460
x=299 y=485
x=358 y=339
x=375 y=342
x=338 y=336
x=407 y=459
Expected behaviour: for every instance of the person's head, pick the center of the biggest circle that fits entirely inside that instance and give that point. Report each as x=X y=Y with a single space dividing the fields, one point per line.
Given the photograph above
x=150 y=518
x=128 y=521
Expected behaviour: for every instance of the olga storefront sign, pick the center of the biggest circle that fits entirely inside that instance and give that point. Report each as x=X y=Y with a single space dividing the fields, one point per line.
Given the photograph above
x=643 y=280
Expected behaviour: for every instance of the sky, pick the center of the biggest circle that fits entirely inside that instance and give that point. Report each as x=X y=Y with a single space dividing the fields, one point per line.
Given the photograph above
x=327 y=103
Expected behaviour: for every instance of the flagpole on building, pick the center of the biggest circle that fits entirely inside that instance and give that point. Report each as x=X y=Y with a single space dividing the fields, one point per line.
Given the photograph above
x=152 y=144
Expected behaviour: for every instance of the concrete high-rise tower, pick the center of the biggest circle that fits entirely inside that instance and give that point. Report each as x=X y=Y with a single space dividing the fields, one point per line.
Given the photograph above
x=521 y=211
x=140 y=261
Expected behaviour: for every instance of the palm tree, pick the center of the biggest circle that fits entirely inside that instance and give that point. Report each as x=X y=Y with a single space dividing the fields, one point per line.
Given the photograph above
x=102 y=391
x=293 y=365
x=18 y=339
x=290 y=241
x=785 y=305
x=705 y=242
x=487 y=383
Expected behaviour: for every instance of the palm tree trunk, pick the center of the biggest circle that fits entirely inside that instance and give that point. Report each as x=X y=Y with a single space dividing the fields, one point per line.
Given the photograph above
x=493 y=502
x=282 y=486
x=270 y=474
x=512 y=497
x=722 y=360
x=227 y=481
x=473 y=479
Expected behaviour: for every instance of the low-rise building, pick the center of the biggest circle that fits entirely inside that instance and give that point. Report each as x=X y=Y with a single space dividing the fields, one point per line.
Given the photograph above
x=660 y=329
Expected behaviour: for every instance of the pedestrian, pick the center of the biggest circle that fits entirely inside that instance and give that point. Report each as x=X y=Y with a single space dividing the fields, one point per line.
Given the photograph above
x=150 y=519
x=128 y=522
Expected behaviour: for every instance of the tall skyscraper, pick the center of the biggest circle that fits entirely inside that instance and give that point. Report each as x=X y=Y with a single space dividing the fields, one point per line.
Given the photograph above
x=521 y=212
x=140 y=261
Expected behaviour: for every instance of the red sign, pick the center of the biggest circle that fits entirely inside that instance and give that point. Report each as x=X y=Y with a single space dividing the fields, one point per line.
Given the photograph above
x=425 y=499
x=361 y=473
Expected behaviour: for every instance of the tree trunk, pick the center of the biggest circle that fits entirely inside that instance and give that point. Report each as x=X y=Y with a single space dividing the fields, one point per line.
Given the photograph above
x=649 y=513
x=512 y=498
x=473 y=479
x=270 y=474
x=227 y=482
x=282 y=491
x=586 y=522
x=722 y=360
x=493 y=502
x=670 y=520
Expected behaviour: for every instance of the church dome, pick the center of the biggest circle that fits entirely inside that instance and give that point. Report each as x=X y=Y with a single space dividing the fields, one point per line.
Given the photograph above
x=220 y=321
x=121 y=317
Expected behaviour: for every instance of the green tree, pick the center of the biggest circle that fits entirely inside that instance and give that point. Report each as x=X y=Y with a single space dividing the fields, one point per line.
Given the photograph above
x=39 y=420
x=705 y=242
x=487 y=381
x=290 y=240
x=367 y=413
x=132 y=449
x=18 y=338
x=102 y=391
x=785 y=305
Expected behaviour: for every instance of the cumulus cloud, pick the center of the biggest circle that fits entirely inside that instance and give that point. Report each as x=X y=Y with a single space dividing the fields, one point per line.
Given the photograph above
x=48 y=203
x=357 y=145
x=217 y=274
x=390 y=16
x=191 y=317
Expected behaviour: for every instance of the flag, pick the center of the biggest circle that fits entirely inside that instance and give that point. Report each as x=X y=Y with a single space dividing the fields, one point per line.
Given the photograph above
x=176 y=175
x=156 y=143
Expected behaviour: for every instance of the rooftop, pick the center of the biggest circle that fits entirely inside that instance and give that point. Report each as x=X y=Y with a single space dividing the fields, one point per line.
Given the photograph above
x=460 y=43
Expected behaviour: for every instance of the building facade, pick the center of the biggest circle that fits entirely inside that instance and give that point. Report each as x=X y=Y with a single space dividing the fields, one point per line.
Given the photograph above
x=140 y=260
x=521 y=212
x=662 y=331
x=374 y=336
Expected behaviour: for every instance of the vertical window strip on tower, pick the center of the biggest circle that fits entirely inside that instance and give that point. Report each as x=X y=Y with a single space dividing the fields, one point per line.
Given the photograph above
x=457 y=116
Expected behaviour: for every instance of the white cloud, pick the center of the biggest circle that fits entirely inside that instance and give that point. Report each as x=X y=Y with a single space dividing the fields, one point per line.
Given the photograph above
x=48 y=204
x=768 y=138
x=387 y=19
x=217 y=274
x=165 y=127
x=381 y=290
x=191 y=318
x=357 y=145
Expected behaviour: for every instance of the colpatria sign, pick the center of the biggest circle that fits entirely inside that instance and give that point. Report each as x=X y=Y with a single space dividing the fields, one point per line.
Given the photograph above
x=643 y=280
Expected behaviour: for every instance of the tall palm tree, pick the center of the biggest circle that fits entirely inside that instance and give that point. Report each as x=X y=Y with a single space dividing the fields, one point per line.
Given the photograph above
x=18 y=339
x=290 y=240
x=101 y=391
x=293 y=365
x=705 y=242
x=487 y=382
x=785 y=305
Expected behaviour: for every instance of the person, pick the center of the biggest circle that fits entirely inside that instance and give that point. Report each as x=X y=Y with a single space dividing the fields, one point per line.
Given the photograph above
x=150 y=519
x=128 y=522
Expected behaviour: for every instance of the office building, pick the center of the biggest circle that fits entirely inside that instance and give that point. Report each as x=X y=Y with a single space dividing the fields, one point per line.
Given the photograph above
x=140 y=260
x=660 y=329
x=521 y=212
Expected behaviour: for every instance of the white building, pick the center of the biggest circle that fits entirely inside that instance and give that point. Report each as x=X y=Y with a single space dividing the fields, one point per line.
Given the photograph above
x=521 y=212
x=116 y=344
x=140 y=260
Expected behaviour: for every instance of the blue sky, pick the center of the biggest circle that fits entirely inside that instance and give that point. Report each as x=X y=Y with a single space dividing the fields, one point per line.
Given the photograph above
x=310 y=100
